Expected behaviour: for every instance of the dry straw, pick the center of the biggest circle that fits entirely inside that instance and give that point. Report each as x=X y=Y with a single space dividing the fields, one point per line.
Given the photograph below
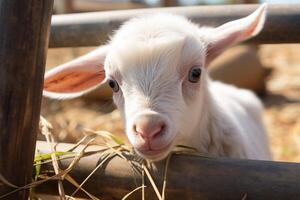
x=113 y=146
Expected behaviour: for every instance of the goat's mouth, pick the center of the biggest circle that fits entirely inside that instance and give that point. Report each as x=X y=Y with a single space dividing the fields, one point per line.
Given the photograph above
x=155 y=154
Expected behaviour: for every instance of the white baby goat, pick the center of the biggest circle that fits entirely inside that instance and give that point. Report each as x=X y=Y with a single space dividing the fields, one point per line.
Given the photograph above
x=157 y=67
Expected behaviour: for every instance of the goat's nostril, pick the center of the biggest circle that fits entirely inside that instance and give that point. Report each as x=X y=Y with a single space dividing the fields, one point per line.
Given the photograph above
x=148 y=126
x=149 y=129
x=134 y=129
x=159 y=131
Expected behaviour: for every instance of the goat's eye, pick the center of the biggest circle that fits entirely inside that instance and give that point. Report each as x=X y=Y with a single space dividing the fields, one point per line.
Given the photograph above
x=114 y=85
x=194 y=74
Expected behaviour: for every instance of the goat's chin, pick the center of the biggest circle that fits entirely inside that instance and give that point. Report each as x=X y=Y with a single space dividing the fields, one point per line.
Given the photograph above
x=155 y=155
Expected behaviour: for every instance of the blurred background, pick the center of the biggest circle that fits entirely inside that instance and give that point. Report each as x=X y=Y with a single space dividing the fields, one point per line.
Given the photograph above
x=275 y=78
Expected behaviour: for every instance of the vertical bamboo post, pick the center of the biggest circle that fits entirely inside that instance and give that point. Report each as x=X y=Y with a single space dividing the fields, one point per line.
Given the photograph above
x=24 y=33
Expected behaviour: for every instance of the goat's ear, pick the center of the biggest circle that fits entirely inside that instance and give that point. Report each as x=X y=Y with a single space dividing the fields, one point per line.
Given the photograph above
x=76 y=77
x=230 y=33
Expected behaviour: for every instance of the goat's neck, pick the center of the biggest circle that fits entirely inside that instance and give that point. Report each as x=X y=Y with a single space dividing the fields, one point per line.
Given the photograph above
x=215 y=133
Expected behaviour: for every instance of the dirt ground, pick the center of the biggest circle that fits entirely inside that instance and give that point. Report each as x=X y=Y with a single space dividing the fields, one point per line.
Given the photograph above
x=282 y=103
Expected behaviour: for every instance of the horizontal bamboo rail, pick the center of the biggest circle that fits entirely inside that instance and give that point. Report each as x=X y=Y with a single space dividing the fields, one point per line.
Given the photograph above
x=189 y=177
x=93 y=29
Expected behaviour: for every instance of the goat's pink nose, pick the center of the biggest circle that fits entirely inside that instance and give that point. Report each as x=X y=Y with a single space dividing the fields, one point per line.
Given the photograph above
x=149 y=126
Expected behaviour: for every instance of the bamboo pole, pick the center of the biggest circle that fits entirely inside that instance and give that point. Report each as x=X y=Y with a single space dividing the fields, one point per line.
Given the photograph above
x=189 y=177
x=93 y=29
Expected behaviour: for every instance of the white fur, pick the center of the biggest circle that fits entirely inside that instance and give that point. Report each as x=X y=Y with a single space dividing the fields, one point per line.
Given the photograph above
x=150 y=58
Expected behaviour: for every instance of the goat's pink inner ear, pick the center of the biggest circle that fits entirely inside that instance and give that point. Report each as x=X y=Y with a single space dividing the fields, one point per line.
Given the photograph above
x=73 y=81
x=76 y=77
x=233 y=32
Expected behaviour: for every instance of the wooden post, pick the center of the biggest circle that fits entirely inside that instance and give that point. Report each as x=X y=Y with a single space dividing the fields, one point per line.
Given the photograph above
x=24 y=31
